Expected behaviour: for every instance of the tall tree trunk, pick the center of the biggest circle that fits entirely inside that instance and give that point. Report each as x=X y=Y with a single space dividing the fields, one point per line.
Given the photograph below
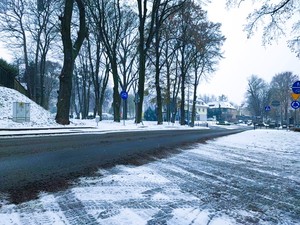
x=144 y=43
x=65 y=88
x=168 y=95
x=141 y=84
x=159 y=100
x=142 y=68
x=194 y=105
x=26 y=62
x=116 y=93
x=157 y=75
x=95 y=74
x=42 y=81
x=183 y=79
x=102 y=93
x=70 y=53
x=175 y=93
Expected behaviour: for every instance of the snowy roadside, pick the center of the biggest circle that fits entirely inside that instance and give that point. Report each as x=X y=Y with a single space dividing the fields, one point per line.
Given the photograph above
x=105 y=126
x=42 y=122
x=247 y=178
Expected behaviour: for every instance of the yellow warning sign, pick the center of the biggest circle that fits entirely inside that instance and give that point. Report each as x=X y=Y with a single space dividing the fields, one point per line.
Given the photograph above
x=295 y=96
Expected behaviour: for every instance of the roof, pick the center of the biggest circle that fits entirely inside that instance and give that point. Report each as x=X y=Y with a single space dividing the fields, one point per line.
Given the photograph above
x=199 y=103
x=223 y=105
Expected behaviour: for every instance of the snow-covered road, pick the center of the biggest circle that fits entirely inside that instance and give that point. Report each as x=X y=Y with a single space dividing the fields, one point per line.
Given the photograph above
x=247 y=178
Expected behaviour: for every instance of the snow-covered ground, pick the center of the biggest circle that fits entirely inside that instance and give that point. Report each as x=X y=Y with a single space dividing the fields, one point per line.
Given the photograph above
x=40 y=118
x=42 y=122
x=247 y=178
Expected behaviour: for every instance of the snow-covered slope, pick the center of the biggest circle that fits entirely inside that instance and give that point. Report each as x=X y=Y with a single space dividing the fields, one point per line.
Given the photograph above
x=38 y=115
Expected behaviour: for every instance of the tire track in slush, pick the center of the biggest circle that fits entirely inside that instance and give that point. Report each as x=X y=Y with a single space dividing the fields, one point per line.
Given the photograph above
x=223 y=191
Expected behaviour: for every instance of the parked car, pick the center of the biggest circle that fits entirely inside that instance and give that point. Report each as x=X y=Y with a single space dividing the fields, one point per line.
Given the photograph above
x=223 y=123
x=261 y=124
x=249 y=122
x=273 y=124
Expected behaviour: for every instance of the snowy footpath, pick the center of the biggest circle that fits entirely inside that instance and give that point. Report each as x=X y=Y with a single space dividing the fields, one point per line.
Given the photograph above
x=247 y=178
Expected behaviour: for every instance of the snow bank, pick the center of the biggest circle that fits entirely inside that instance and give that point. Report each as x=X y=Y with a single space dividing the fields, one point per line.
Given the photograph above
x=39 y=117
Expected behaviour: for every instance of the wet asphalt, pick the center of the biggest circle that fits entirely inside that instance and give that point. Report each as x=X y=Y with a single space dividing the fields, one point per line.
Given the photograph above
x=44 y=163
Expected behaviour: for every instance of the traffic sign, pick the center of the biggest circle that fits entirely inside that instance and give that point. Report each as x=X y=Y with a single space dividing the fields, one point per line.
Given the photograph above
x=295 y=104
x=124 y=95
x=296 y=87
x=275 y=103
x=295 y=96
x=267 y=108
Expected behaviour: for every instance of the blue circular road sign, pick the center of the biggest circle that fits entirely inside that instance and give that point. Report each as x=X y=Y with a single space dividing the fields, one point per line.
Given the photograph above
x=295 y=104
x=296 y=87
x=124 y=95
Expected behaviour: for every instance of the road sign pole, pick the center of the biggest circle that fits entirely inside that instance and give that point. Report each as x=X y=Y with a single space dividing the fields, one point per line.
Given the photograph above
x=124 y=105
x=124 y=96
x=295 y=103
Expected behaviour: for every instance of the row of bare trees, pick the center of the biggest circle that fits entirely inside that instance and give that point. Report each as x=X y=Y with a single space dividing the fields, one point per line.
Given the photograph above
x=30 y=34
x=149 y=46
x=261 y=94
x=276 y=19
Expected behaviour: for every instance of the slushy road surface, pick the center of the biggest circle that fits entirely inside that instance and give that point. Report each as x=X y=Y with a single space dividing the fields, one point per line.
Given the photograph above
x=31 y=164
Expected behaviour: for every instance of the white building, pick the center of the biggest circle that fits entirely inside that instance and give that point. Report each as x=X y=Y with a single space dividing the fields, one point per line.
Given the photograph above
x=201 y=109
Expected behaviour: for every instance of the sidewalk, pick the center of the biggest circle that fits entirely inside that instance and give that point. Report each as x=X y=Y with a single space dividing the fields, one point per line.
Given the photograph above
x=21 y=131
x=91 y=126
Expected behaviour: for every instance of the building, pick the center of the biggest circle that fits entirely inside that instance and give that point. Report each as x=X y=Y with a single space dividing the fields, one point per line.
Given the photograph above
x=222 y=111
x=201 y=110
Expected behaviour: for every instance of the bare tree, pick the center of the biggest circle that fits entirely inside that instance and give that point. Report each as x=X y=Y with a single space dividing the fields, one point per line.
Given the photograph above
x=159 y=10
x=84 y=75
x=127 y=52
x=168 y=67
x=52 y=70
x=44 y=32
x=34 y=30
x=279 y=18
x=208 y=48
x=281 y=91
x=194 y=36
x=71 y=50
x=258 y=95
x=107 y=17
x=165 y=10
x=13 y=30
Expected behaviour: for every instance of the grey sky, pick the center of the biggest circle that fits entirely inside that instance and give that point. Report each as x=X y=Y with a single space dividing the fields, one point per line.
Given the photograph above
x=244 y=57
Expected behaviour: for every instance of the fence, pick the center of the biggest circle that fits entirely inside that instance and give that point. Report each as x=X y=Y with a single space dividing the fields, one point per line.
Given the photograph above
x=8 y=80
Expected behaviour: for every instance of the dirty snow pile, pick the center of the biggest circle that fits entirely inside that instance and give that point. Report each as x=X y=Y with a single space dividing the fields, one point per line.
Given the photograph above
x=39 y=117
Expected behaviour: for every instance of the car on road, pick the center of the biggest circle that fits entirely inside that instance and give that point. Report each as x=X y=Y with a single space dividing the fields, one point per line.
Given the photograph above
x=223 y=123
x=262 y=124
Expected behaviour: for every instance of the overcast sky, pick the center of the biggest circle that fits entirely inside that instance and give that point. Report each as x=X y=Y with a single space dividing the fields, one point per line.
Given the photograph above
x=244 y=57
x=3 y=53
